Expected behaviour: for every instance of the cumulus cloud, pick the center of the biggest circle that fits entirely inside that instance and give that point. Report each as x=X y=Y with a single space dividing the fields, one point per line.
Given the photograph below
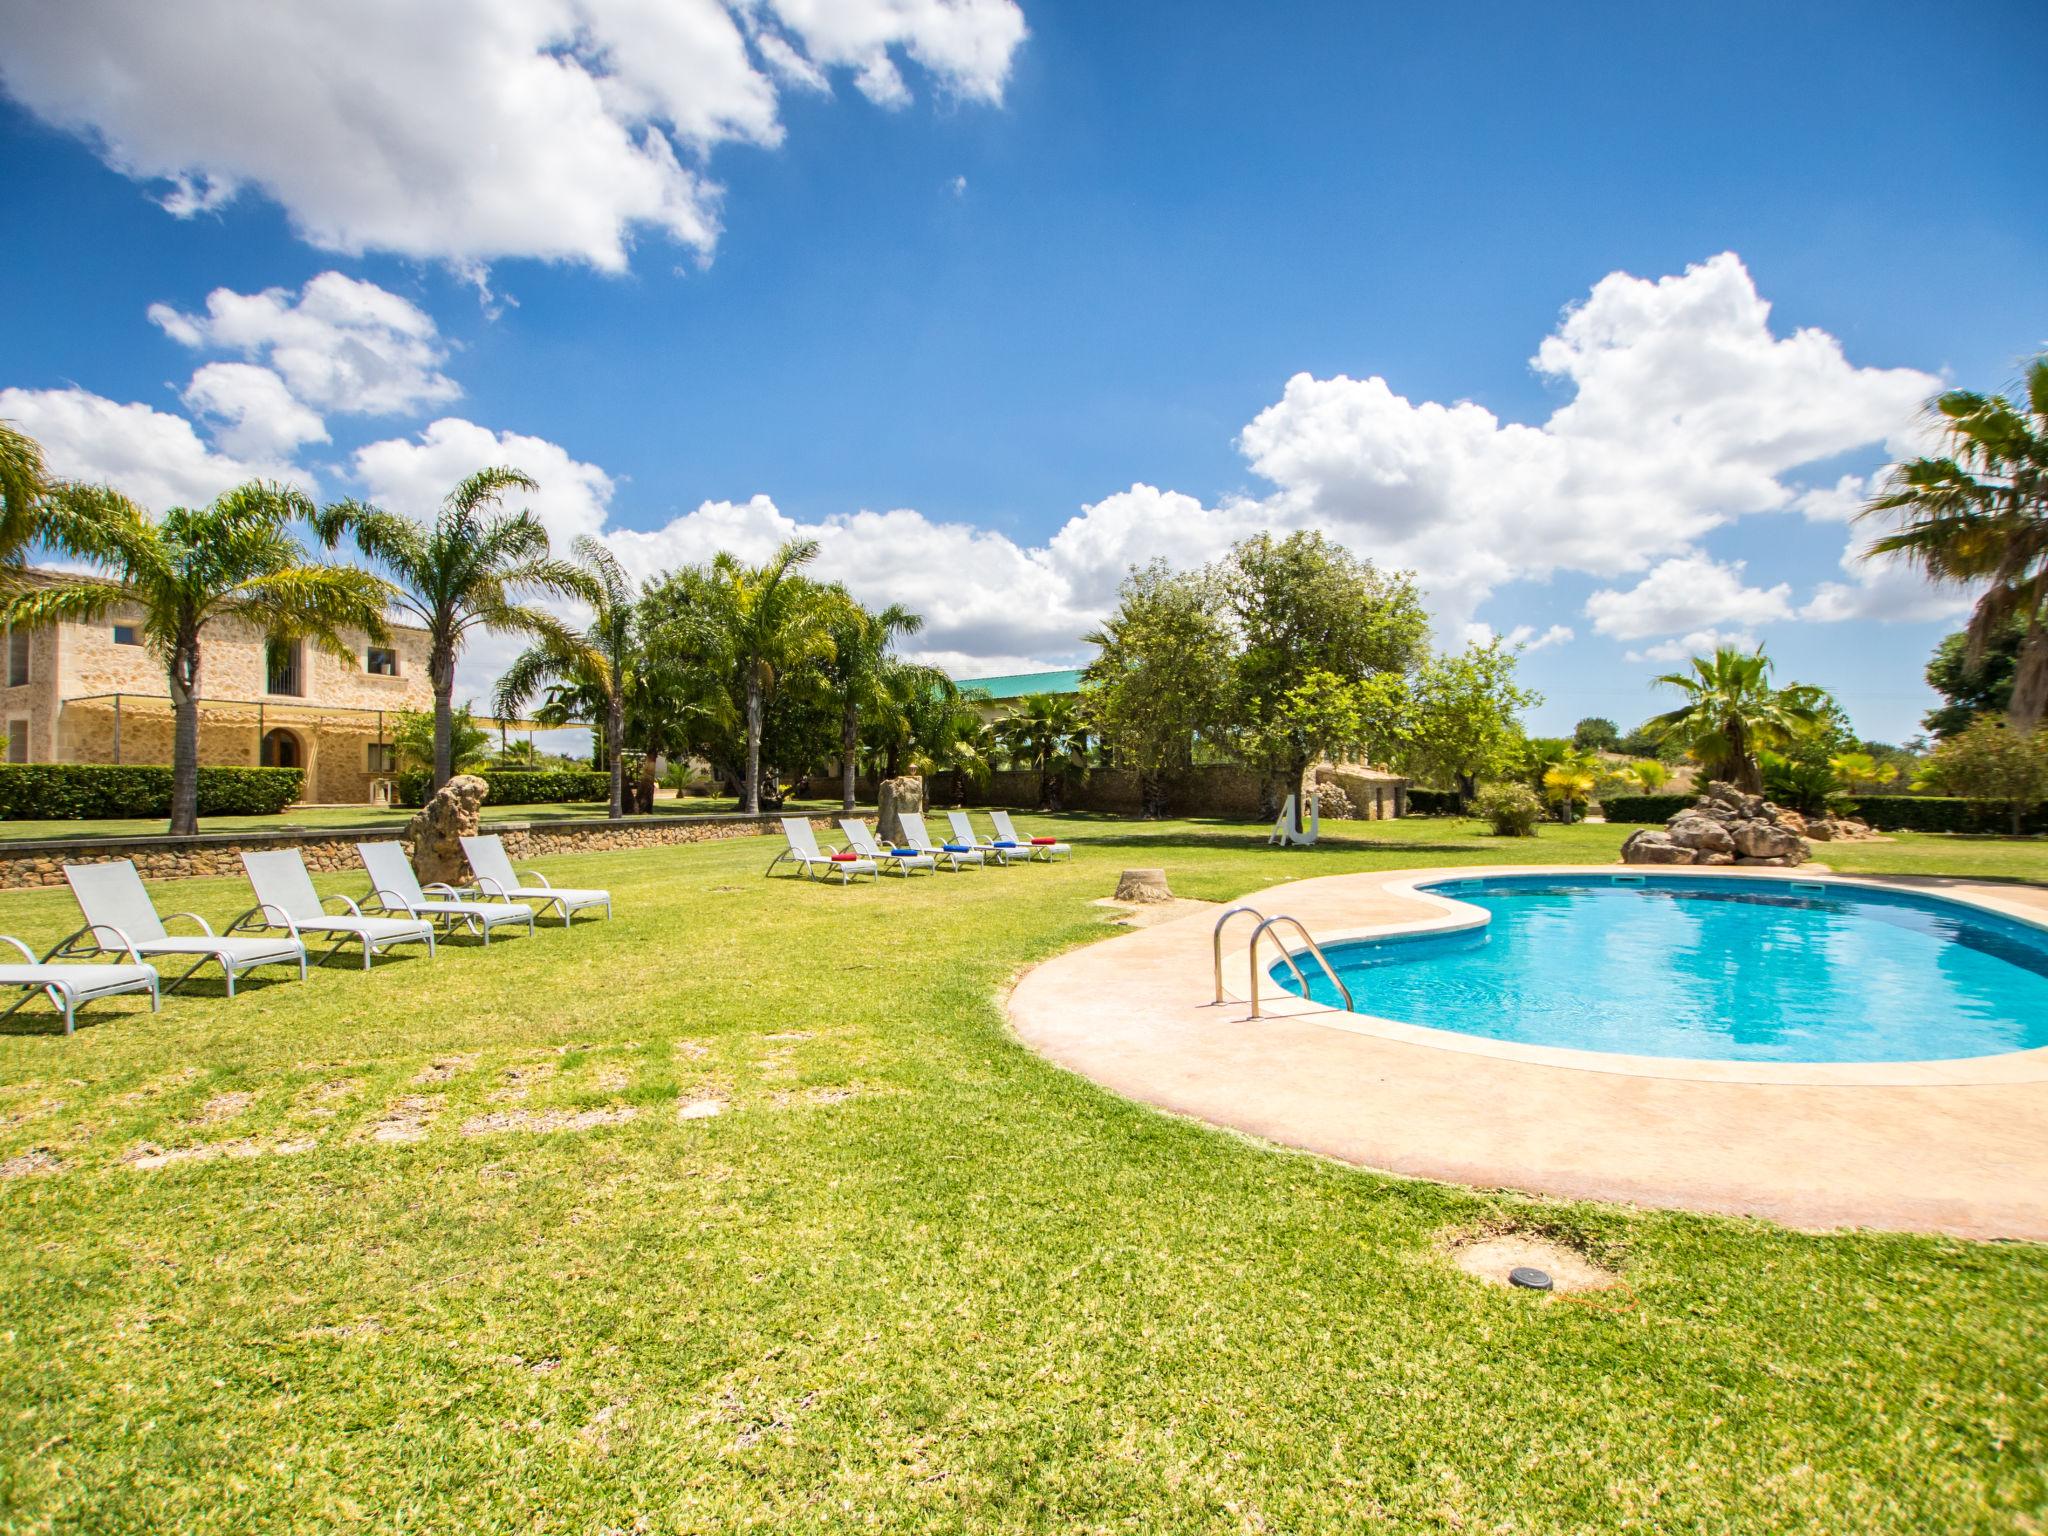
x=154 y=457
x=1688 y=592
x=413 y=475
x=1701 y=642
x=473 y=130
x=1526 y=637
x=252 y=412
x=339 y=344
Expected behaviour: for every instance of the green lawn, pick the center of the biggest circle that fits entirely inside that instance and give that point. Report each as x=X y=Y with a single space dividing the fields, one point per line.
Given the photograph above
x=911 y=1278
x=323 y=816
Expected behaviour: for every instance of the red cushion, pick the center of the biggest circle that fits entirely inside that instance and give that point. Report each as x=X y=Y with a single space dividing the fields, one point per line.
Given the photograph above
x=844 y=858
x=1041 y=842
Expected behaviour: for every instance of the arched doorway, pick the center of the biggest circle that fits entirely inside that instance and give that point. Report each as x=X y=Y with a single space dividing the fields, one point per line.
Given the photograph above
x=282 y=749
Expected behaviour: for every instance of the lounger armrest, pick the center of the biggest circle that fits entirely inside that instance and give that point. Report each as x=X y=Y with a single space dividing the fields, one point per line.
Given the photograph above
x=203 y=927
x=534 y=875
x=441 y=888
x=273 y=917
x=26 y=953
x=353 y=909
x=96 y=929
x=486 y=886
x=391 y=901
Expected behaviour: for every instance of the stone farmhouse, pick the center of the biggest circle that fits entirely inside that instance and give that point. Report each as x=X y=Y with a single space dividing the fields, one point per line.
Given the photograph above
x=96 y=693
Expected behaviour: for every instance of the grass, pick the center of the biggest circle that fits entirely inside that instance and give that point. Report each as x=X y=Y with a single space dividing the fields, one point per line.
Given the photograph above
x=318 y=817
x=911 y=1278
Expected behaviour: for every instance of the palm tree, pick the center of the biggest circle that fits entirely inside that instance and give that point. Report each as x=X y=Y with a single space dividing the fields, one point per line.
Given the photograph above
x=1570 y=782
x=1731 y=712
x=233 y=559
x=765 y=620
x=859 y=672
x=1979 y=514
x=599 y=659
x=1046 y=730
x=22 y=486
x=470 y=568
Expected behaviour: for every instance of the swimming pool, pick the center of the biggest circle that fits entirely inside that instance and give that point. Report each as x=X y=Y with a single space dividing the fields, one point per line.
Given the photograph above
x=1709 y=968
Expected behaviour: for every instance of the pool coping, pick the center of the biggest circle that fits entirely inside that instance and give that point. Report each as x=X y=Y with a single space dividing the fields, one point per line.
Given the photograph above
x=1453 y=916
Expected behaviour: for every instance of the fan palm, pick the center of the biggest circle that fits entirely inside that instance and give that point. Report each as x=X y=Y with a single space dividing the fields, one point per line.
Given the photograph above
x=471 y=568
x=858 y=673
x=1047 y=731
x=599 y=658
x=1569 y=783
x=1731 y=712
x=235 y=558
x=1979 y=515
x=21 y=492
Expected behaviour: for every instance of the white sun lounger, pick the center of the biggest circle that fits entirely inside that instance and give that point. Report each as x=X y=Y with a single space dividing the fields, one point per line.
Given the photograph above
x=963 y=832
x=902 y=860
x=395 y=888
x=285 y=899
x=495 y=878
x=955 y=856
x=67 y=986
x=1007 y=838
x=116 y=906
x=803 y=851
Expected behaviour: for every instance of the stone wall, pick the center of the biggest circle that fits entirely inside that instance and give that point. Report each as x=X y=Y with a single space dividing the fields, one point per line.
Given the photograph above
x=24 y=866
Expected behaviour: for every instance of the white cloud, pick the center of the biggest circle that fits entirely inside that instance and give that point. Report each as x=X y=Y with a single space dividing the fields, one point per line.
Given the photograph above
x=472 y=130
x=1525 y=636
x=413 y=475
x=1701 y=642
x=252 y=411
x=1689 y=592
x=153 y=457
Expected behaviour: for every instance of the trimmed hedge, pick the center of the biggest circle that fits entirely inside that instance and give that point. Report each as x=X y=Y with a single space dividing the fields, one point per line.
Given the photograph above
x=1651 y=810
x=1941 y=813
x=519 y=786
x=1432 y=802
x=108 y=791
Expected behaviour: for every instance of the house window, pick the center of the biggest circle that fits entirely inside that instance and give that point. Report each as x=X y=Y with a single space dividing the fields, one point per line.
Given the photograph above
x=17 y=741
x=383 y=757
x=125 y=634
x=282 y=668
x=17 y=657
x=382 y=662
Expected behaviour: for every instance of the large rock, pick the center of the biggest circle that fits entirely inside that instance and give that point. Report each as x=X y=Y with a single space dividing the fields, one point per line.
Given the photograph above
x=1650 y=846
x=1724 y=826
x=1691 y=829
x=892 y=798
x=1767 y=840
x=435 y=830
x=1143 y=885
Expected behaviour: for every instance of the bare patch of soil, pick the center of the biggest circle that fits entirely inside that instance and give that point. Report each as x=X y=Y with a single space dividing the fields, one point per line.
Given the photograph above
x=157 y=1087
x=692 y=1050
x=443 y=1068
x=700 y=1108
x=820 y=1097
x=543 y=1121
x=1490 y=1255
x=519 y=1081
x=225 y=1106
x=403 y=1120
x=35 y=1160
x=1148 y=914
x=147 y=1155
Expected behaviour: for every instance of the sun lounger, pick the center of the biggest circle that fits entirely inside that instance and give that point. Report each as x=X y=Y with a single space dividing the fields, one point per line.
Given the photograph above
x=955 y=856
x=67 y=986
x=117 y=908
x=497 y=880
x=395 y=888
x=902 y=860
x=1036 y=847
x=963 y=832
x=285 y=899
x=803 y=851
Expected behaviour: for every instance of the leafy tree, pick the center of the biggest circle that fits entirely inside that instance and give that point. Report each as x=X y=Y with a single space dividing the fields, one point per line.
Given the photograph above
x=1993 y=763
x=22 y=485
x=470 y=568
x=1731 y=712
x=858 y=672
x=1977 y=516
x=1463 y=723
x=1644 y=742
x=1982 y=688
x=413 y=735
x=235 y=558
x=1301 y=605
x=1159 y=676
x=1596 y=733
x=1046 y=732
x=600 y=659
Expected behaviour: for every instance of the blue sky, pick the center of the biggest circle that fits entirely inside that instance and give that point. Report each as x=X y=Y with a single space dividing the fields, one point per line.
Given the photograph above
x=1049 y=257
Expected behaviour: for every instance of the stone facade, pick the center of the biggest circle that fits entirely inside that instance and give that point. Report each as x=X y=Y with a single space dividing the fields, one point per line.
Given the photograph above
x=24 y=866
x=67 y=711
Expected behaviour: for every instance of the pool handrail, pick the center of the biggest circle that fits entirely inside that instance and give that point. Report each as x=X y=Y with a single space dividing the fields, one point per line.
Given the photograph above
x=1216 y=943
x=1313 y=948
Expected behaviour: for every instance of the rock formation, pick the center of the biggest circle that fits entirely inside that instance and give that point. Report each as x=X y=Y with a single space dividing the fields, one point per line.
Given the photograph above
x=1724 y=826
x=435 y=828
x=1841 y=829
x=892 y=798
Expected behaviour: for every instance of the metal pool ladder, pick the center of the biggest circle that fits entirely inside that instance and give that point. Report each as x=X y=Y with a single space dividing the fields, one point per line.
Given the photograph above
x=1265 y=922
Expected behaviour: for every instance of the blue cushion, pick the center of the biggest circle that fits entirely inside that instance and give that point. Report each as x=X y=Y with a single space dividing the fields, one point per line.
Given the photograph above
x=959 y=848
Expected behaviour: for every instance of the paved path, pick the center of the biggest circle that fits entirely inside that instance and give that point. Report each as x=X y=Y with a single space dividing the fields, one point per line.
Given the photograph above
x=1959 y=1148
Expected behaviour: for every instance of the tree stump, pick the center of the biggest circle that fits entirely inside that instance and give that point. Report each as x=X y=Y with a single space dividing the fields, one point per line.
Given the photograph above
x=892 y=798
x=1142 y=885
x=436 y=829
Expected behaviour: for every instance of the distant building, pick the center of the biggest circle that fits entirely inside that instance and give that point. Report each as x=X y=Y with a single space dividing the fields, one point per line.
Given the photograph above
x=999 y=695
x=95 y=693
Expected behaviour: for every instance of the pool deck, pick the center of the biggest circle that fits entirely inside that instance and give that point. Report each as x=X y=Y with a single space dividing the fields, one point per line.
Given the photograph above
x=1954 y=1147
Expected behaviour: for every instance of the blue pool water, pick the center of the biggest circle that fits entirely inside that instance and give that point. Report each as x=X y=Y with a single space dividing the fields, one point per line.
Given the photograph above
x=1710 y=968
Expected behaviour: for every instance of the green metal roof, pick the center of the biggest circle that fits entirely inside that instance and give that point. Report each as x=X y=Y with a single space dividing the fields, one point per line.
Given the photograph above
x=1017 y=684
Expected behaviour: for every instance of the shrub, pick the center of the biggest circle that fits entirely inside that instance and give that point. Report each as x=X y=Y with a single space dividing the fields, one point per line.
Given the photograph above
x=1941 y=813
x=557 y=786
x=1648 y=809
x=110 y=791
x=1432 y=802
x=1512 y=810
